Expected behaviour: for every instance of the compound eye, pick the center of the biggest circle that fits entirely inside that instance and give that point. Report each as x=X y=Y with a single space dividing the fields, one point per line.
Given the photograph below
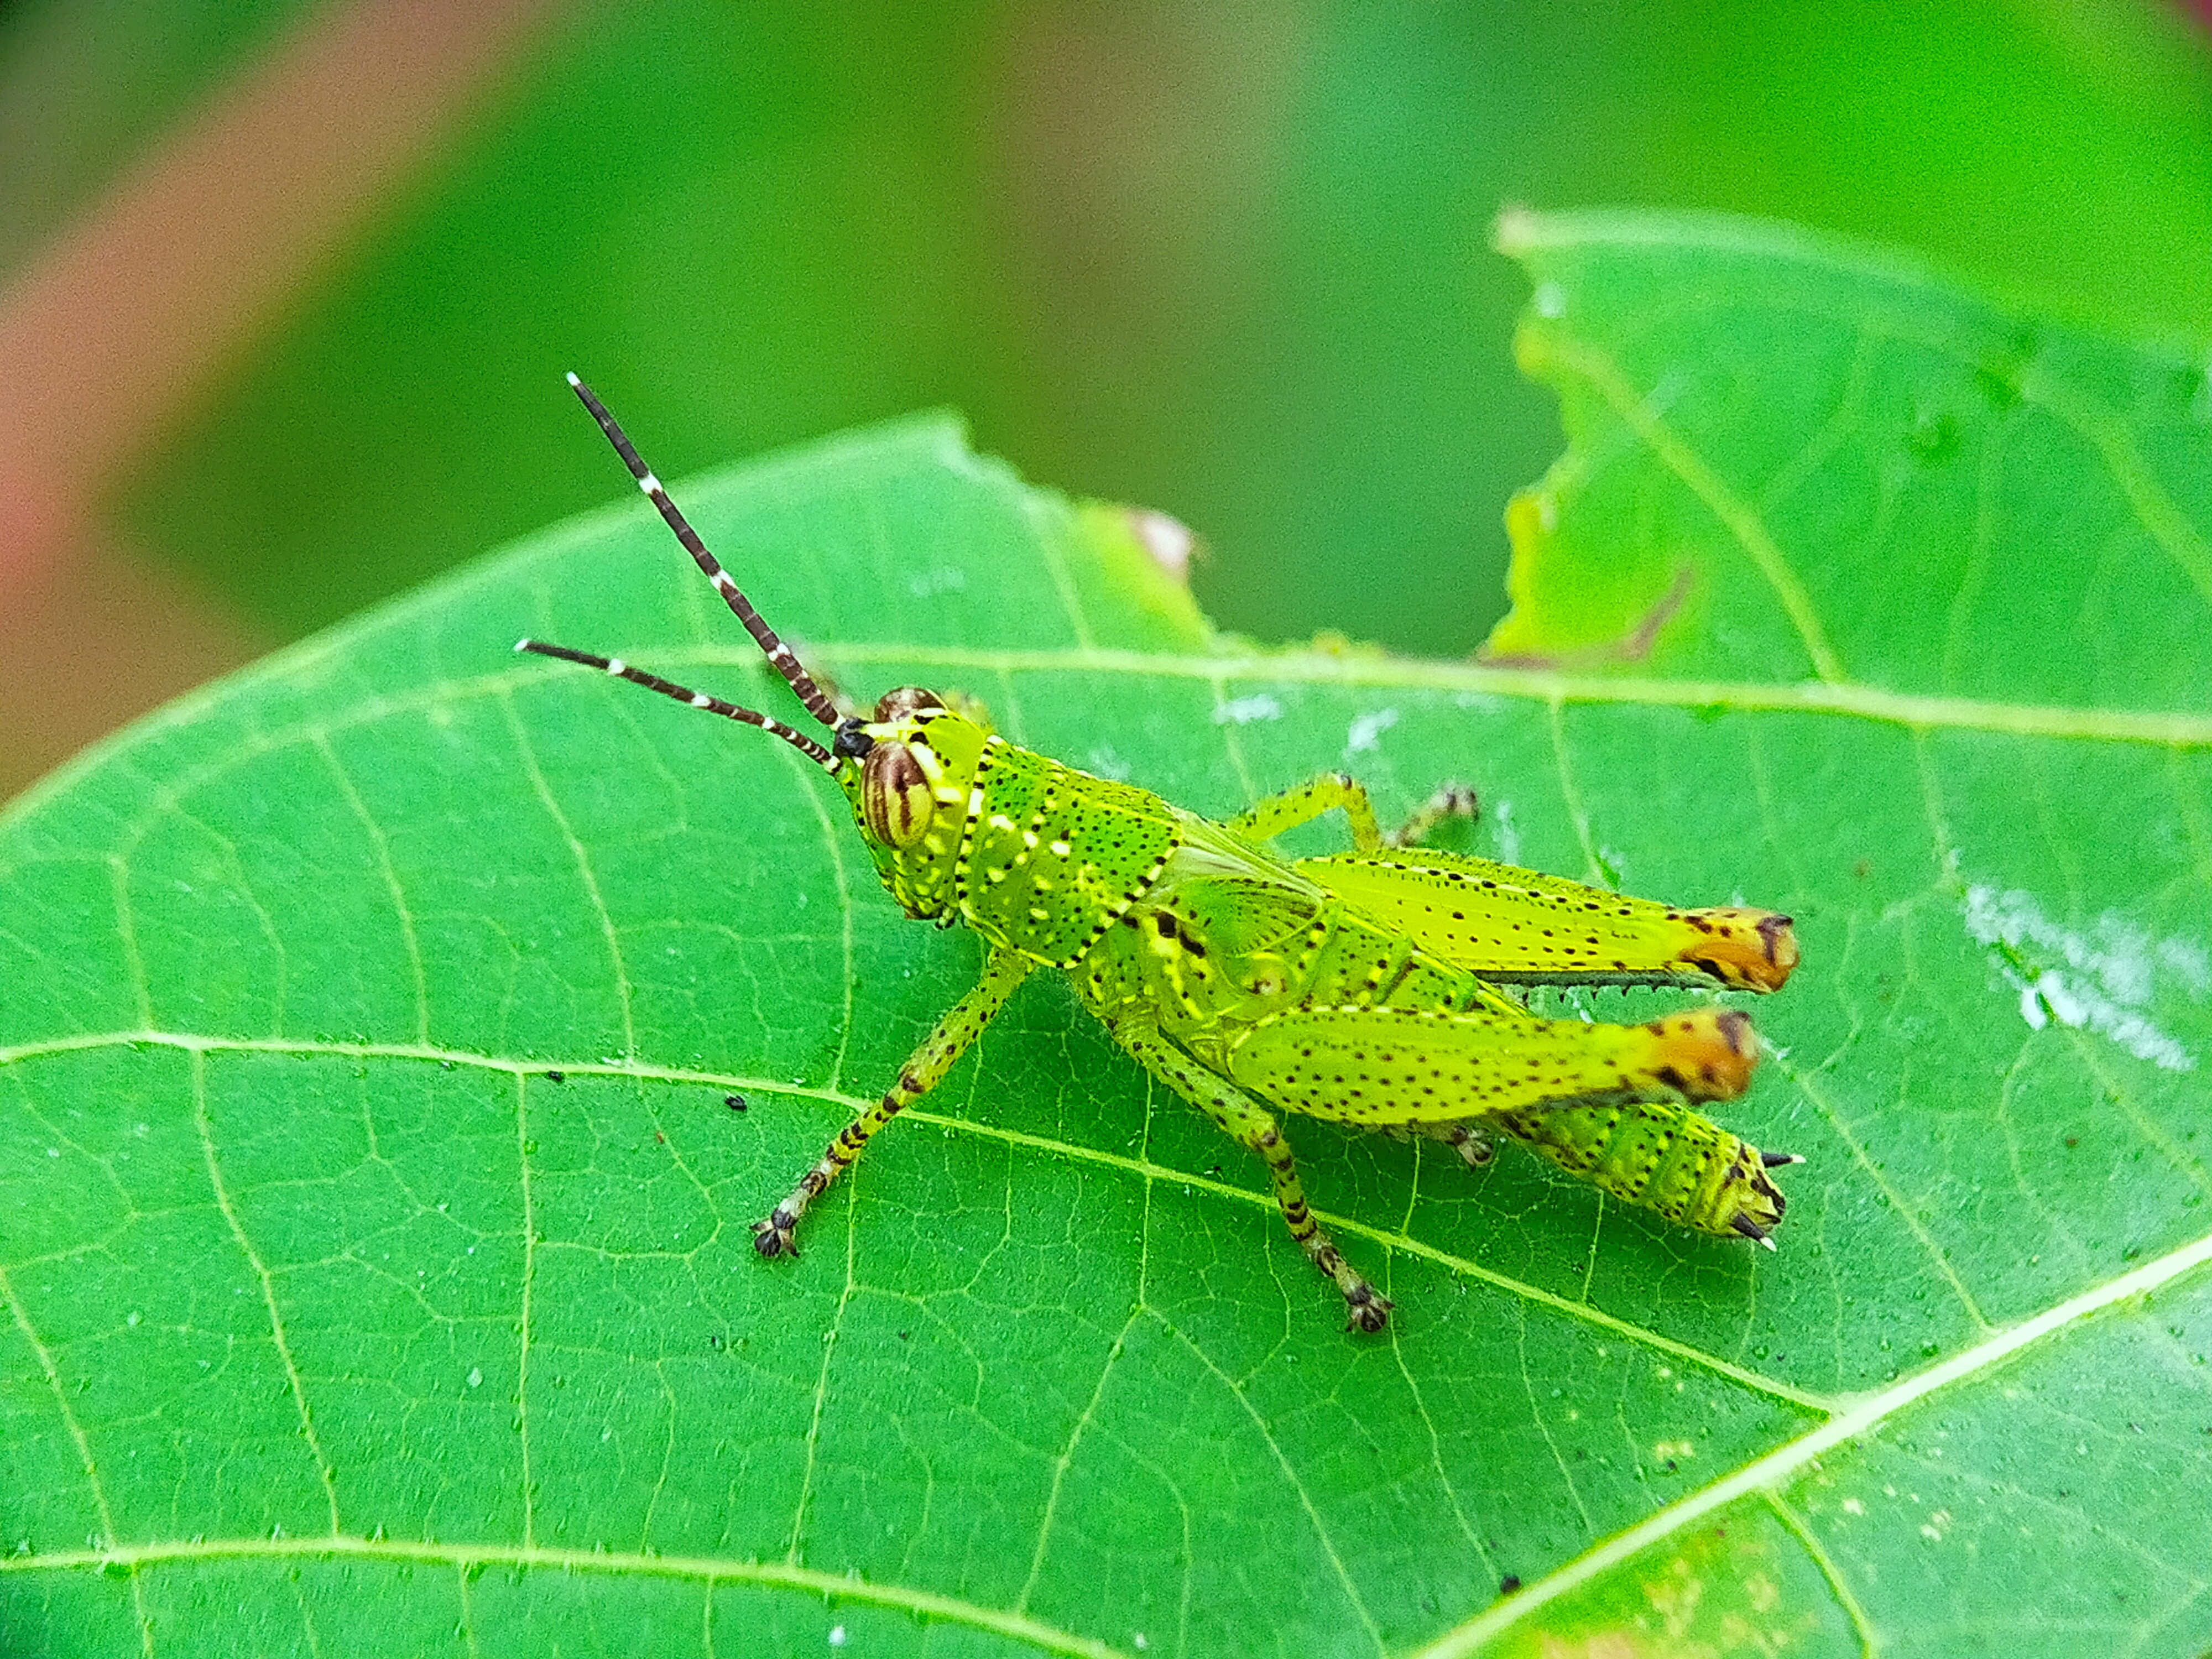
x=895 y=796
x=907 y=700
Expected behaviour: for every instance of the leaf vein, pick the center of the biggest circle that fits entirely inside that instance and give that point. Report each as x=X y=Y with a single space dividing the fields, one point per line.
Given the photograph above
x=1852 y=1423
x=1740 y=520
x=1873 y=1172
x=1142 y=1166
x=1914 y=711
x=1067 y=1456
x=205 y=1129
x=577 y=850
x=529 y=1280
x=1435 y=1443
x=53 y=1376
x=1290 y=1473
x=400 y=909
x=829 y=1338
x=1794 y=1525
x=811 y=1582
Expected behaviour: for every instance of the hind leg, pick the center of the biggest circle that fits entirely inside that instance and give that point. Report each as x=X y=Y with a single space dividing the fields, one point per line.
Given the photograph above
x=1241 y=1117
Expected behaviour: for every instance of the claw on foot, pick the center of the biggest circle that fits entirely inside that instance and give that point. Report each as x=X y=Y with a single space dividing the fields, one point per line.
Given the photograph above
x=1451 y=800
x=774 y=1238
x=1474 y=1150
x=1369 y=1312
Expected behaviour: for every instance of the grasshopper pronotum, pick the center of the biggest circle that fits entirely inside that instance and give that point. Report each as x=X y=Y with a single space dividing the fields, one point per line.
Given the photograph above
x=1362 y=987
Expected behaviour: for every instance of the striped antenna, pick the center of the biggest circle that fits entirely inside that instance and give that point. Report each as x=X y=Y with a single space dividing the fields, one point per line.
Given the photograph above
x=780 y=655
x=621 y=670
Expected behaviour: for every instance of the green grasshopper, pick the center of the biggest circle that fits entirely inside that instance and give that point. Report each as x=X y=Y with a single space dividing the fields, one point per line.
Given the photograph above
x=1365 y=988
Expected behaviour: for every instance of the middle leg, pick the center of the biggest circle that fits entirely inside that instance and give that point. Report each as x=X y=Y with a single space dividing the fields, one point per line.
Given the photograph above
x=1265 y=819
x=1475 y=1150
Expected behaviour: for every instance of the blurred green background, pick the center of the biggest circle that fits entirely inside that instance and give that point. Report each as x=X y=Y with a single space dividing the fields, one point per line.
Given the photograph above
x=1228 y=261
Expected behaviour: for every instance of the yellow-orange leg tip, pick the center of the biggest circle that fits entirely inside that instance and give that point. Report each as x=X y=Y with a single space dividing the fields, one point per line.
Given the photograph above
x=1745 y=950
x=1370 y=1311
x=1706 y=1055
x=774 y=1237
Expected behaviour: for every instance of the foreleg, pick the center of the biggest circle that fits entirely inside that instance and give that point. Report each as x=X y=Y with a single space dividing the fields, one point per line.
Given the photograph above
x=962 y=1022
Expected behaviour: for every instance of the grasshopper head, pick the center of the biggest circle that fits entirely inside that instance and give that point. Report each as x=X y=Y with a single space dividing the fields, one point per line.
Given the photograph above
x=907 y=772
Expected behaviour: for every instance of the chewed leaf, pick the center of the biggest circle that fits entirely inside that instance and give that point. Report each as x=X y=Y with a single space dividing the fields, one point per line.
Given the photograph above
x=1792 y=462
x=396 y=1038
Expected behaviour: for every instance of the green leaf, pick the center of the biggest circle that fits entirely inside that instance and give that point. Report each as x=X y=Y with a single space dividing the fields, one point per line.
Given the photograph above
x=335 y=1320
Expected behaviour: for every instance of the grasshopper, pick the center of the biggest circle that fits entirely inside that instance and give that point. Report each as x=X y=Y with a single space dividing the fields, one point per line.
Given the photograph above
x=1369 y=988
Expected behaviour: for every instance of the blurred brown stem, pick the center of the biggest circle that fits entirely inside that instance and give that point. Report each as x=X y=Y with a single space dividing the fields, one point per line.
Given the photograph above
x=111 y=332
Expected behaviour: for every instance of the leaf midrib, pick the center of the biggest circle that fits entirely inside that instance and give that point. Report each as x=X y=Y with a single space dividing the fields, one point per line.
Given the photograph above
x=1909 y=711
x=1859 y=1419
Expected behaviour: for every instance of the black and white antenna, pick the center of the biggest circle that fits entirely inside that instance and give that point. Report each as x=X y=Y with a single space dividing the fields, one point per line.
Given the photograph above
x=621 y=670
x=780 y=656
